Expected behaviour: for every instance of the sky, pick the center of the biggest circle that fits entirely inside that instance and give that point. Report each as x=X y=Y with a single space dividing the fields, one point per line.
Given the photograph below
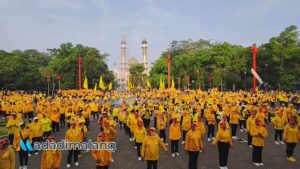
x=43 y=24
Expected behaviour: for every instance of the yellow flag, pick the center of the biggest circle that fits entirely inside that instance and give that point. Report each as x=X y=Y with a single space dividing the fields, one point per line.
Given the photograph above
x=101 y=84
x=110 y=86
x=173 y=84
x=85 y=84
x=148 y=84
x=129 y=84
x=95 y=88
x=161 y=84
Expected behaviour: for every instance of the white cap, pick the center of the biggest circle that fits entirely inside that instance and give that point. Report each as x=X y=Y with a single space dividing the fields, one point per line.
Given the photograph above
x=20 y=124
x=35 y=118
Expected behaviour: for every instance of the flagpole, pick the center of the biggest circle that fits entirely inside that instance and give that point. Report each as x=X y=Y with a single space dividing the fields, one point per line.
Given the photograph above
x=254 y=51
x=79 y=72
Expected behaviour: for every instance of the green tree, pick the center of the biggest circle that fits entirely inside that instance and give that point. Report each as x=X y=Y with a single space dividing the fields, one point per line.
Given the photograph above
x=65 y=62
x=137 y=76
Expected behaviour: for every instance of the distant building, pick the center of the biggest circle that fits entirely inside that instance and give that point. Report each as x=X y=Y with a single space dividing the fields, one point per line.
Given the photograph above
x=122 y=76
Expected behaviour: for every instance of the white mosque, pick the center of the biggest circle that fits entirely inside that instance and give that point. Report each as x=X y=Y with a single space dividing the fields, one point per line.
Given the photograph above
x=121 y=76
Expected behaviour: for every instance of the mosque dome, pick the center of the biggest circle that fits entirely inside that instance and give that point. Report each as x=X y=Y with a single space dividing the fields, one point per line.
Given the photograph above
x=144 y=41
x=132 y=61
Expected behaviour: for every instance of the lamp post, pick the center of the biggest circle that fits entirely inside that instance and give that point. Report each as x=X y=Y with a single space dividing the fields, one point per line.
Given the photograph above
x=245 y=80
x=266 y=73
x=48 y=84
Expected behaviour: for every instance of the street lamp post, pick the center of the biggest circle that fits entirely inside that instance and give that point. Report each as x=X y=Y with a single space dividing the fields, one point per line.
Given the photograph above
x=266 y=73
x=245 y=80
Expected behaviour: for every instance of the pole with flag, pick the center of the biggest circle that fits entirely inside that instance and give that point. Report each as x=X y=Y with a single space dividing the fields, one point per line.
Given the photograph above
x=254 y=52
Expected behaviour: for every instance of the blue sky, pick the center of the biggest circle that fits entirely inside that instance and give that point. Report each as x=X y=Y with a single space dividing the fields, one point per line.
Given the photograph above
x=42 y=24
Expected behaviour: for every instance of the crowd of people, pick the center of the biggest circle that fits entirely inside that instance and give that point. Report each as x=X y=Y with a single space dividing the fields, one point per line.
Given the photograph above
x=148 y=118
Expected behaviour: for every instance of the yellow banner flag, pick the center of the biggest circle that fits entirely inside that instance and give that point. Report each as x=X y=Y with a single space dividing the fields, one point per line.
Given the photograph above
x=85 y=83
x=148 y=84
x=129 y=84
x=110 y=86
x=95 y=88
x=173 y=84
x=101 y=83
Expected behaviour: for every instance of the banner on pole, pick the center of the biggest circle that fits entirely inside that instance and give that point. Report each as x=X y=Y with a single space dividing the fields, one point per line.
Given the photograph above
x=256 y=76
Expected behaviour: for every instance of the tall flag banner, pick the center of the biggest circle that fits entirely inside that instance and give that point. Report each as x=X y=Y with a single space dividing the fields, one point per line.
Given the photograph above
x=129 y=84
x=148 y=83
x=173 y=84
x=85 y=83
x=110 y=86
x=101 y=83
x=162 y=84
x=95 y=88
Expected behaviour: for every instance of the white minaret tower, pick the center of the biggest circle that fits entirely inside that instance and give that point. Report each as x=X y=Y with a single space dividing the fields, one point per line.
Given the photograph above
x=145 y=61
x=123 y=74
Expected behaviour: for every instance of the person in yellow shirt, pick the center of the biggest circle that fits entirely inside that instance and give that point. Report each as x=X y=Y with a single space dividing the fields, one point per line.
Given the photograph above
x=51 y=159
x=223 y=138
x=210 y=118
x=186 y=124
x=279 y=121
x=193 y=145
x=46 y=126
x=72 y=135
x=36 y=132
x=291 y=136
x=7 y=155
x=69 y=116
x=55 y=117
x=242 y=118
x=174 y=137
x=22 y=134
x=63 y=110
x=258 y=133
x=12 y=126
x=103 y=157
x=200 y=126
x=139 y=137
x=115 y=113
x=234 y=121
x=150 y=149
x=161 y=127
x=95 y=110
x=249 y=124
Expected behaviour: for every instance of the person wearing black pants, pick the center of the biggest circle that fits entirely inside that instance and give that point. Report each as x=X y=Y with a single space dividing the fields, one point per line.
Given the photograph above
x=193 y=145
x=174 y=146
x=258 y=133
x=291 y=137
x=223 y=138
x=70 y=155
x=278 y=133
x=62 y=120
x=72 y=135
x=257 y=154
x=233 y=129
x=23 y=135
x=211 y=131
x=151 y=164
x=249 y=124
x=174 y=136
x=23 y=158
x=55 y=127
